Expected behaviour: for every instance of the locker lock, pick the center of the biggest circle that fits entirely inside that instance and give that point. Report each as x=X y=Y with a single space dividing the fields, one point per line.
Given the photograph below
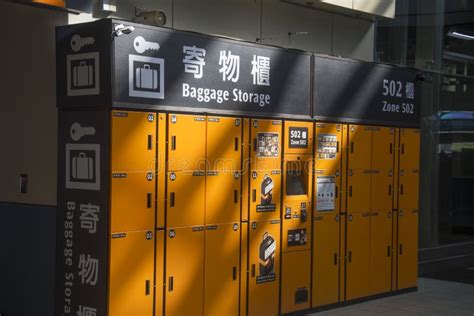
x=151 y=117
x=173 y=119
x=350 y=218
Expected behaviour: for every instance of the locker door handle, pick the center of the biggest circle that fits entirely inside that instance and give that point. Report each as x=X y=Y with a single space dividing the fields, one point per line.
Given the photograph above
x=352 y=147
x=403 y=149
x=236 y=144
x=254 y=195
x=400 y=251
x=150 y=142
x=350 y=256
x=252 y=273
x=401 y=189
x=389 y=189
x=337 y=146
x=350 y=191
x=391 y=148
x=388 y=251
x=336 y=194
x=234 y=273
x=236 y=197
x=148 y=200
x=254 y=144
x=170 y=284
x=147 y=287
x=173 y=142
x=171 y=199
x=335 y=259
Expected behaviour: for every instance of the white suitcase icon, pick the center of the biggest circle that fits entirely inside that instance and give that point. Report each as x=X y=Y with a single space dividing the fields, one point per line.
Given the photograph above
x=83 y=75
x=146 y=78
x=82 y=167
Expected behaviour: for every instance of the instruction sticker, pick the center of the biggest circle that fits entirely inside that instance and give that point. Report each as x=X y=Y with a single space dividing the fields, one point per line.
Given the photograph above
x=327 y=146
x=326 y=193
x=268 y=145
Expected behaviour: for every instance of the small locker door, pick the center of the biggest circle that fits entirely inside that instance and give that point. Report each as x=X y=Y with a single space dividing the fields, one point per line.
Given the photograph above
x=132 y=201
x=380 y=252
x=295 y=281
x=409 y=148
x=328 y=150
x=265 y=144
x=131 y=273
x=358 y=191
x=222 y=197
x=383 y=144
x=360 y=147
x=265 y=190
x=224 y=143
x=221 y=271
x=133 y=141
x=381 y=194
x=358 y=260
x=186 y=142
x=186 y=193
x=298 y=138
x=407 y=269
x=325 y=259
x=264 y=262
x=159 y=272
x=184 y=271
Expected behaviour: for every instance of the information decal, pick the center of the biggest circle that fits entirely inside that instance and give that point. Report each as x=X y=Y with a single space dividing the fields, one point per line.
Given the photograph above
x=157 y=68
x=367 y=93
x=83 y=214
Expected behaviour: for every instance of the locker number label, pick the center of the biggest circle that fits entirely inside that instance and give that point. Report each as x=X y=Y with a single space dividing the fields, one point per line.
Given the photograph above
x=298 y=137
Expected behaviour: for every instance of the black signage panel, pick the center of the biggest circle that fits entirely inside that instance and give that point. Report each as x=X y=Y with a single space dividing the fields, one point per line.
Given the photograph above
x=157 y=68
x=83 y=213
x=361 y=92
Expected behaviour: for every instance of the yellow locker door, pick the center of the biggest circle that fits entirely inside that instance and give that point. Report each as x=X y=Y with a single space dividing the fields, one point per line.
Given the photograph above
x=159 y=272
x=381 y=194
x=184 y=271
x=383 y=144
x=186 y=194
x=325 y=259
x=358 y=187
x=408 y=198
x=244 y=272
x=409 y=148
x=131 y=273
x=264 y=262
x=327 y=190
x=132 y=201
x=222 y=197
x=358 y=260
x=133 y=141
x=224 y=143
x=265 y=192
x=328 y=149
x=380 y=252
x=186 y=142
x=266 y=144
x=298 y=138
x=360 y=147
x=295 y=281
x=407 y=269
x=221 y=270
x=296 y=226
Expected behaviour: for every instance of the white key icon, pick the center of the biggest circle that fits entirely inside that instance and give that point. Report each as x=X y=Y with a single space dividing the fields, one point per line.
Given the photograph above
x=77 y=131
x=141 y=45
x=77 y=42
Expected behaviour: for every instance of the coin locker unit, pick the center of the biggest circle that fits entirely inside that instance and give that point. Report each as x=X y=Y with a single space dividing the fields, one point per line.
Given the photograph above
x=201 y=175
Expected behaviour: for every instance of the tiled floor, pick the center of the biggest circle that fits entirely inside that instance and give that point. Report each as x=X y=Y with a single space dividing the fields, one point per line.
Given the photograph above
x=434 y=297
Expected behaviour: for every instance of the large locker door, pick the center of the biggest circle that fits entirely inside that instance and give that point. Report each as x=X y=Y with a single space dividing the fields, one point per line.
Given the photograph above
x=381 y=194
x=325 y=259
x=328 y=149
x=409 y=148
x=244 y=272
x=407 y=269
x=360 y=147
x=159 y=272
x=224 y=143
x=264 y=263
x=295 y=281
x=408 y=198
x=296 y=226
x=266 y=144
x=265 y=192
x=358 y=191
x=298 y=138
x=132 y=201
x=184 y=271
x=131 y=273
x=383 y=147
x=222 y=197
x=221 y=270
x=133 y=141
x=186 y=142
x=380 y=252
x=186 y=194
x=358 y=260
x=327 y=190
